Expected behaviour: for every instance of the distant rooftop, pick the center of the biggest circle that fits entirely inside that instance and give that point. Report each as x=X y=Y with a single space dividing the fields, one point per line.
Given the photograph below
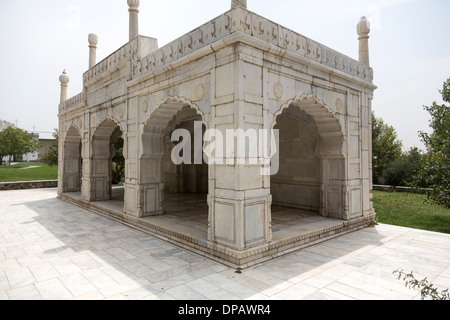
x=45 y=136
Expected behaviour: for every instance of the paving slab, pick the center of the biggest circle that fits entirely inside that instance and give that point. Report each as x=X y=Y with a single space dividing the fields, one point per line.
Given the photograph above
x=52 y=250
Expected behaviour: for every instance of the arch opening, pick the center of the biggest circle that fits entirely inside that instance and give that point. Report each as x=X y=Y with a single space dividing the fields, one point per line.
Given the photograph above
x=73 y=162
x=108 y=162
x=182 y=188
x=298 y=181
x=312 y=163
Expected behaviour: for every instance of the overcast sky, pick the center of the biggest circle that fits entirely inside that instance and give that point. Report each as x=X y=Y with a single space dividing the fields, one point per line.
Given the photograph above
x=409 y=47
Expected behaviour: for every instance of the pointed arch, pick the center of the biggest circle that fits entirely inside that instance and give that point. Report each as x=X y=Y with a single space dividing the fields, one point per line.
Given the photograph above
x=73 y=132
x=166 y=110
x=102 y=152
x=320 y=180
x=107 y=122
x=324 y=118
x=154 y=154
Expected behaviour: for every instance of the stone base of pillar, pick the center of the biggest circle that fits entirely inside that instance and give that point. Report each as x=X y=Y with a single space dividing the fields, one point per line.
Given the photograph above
x=71 y=183
x=96 y=189
x=239 y=224
x=144 y=200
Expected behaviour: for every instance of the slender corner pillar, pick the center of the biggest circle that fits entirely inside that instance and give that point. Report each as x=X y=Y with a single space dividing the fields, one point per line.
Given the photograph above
x=64 y=79
x=363 y=29
x=238 y=3
x=93 y=41
x=134 y=18
x=239 y=197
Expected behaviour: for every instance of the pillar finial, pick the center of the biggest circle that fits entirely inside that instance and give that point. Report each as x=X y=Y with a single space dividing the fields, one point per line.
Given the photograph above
x=93 y=41
x=238 y=3
x=134 y=18
x=64 y=79
x=363 y=30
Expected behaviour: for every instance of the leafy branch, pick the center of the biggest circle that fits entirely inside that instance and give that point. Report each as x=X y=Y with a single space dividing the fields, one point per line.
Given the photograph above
x=426 y=289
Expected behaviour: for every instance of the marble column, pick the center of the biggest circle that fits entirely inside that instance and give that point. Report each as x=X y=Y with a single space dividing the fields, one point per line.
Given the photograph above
x=93 y=41
x=64 y=79
x=363 y=32
x=134 y=18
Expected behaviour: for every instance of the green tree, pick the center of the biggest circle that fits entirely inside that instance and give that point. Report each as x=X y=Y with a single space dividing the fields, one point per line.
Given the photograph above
x=17 y=142
x=51 y=156
x=403 y=171
x=436 y=163
x=118 y=162
x=386 y=147
x=2 y=149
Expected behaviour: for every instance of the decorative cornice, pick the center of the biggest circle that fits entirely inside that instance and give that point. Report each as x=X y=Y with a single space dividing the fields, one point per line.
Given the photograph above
x=279 y=40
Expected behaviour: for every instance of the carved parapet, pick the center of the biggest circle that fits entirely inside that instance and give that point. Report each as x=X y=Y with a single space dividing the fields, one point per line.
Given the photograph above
x=133 y=51
x=239 y=20
x=74 y=102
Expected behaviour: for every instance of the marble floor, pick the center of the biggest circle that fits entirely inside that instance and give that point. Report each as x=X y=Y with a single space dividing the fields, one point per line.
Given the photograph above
x=53 y=250
x=187 y=214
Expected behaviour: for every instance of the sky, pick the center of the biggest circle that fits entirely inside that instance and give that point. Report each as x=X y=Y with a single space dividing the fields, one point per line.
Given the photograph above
x=409 y=47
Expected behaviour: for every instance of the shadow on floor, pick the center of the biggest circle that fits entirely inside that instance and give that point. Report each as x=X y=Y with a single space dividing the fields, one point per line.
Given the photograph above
x=155 y=267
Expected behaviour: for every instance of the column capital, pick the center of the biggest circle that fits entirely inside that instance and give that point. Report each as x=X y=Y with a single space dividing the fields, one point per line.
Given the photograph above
x=363 y=28
x=93 y=40
x=133 y=5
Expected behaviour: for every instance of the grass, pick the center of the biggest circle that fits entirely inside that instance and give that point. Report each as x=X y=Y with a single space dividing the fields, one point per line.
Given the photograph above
x=410 y=210
x=400 y=209
x=19 y=172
